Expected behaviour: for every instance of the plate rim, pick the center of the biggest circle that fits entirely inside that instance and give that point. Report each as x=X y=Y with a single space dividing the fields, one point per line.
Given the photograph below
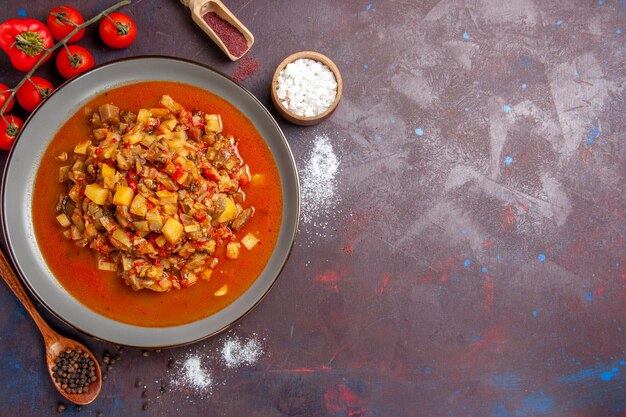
x=292 y=238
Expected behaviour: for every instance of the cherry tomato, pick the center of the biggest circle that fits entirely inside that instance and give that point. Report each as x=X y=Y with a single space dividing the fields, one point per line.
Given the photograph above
x=33 y=92
x=118 y=30
x=4 y=97
x=74 y=60
x=9 y=128
x=62 y=20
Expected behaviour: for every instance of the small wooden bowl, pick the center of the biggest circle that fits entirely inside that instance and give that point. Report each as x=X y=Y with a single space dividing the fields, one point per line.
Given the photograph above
x=303 y=120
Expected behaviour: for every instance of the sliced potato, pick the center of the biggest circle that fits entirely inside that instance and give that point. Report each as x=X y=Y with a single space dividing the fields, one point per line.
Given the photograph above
x=171 y=105
x=172 y=230
x=123 y=196
x=139 y=206
x=107 y=171
x=222 y=291
x=64 y=220
x=229 y=212
x=143 y=116
x=97 y=193
x=206 y=274
x=232 y=250
x=121 y=237
x=81 y=148
x=212 y=123
x=249 y=241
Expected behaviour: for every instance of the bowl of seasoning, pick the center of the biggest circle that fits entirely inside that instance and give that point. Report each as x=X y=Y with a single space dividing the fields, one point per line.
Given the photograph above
x=306 y=88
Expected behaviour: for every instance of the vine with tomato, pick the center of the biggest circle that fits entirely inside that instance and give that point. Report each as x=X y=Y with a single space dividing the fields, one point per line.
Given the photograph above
x=29 y=43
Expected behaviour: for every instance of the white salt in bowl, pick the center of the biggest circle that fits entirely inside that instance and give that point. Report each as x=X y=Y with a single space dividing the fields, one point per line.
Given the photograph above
x=291 y=116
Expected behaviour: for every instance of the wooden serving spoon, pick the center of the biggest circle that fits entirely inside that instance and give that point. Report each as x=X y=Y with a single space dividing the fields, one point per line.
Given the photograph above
x=55 y=343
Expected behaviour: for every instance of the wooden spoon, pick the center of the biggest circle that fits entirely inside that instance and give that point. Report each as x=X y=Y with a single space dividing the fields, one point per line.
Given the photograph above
x=201 y=7
x=55 y=343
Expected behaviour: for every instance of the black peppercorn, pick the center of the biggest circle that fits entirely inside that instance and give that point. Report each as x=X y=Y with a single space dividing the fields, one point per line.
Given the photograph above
x=70 y=370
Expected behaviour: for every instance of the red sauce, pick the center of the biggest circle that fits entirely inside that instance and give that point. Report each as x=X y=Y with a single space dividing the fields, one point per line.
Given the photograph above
x=105 y=292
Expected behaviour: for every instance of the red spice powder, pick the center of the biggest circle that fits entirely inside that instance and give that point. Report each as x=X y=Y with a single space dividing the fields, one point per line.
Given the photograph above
x=247 y=67
x=233 y=39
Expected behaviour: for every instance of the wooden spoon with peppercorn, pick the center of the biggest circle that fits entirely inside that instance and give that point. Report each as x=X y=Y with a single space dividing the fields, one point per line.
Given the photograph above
x=71 y=365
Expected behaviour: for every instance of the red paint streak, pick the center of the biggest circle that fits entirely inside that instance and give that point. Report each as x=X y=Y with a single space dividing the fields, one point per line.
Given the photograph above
x=523 y=207
x=331 y=279
x=354 y=226
x=487 y=243
x=488 y=293
x=439 y=271
x=247 y=67
x=339 y=398
x=494 y=340
x=507 y=218
x=599 y=291
x=383 y=287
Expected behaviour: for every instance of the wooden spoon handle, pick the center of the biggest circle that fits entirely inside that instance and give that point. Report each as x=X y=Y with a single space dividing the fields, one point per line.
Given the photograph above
x=16 y=286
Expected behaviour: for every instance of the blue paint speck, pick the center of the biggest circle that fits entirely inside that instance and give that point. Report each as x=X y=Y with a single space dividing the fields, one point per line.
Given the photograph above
x=378 y=138
x=506 y=108
x=22 y=13
x=606 y=376
x=17 y=366
x=426 y=371
x=484 y=270
x=524 y=86
x=588 y=296
x=594 y=133
x=467 y=263
x=466 y=35
x=541 y=257
x=365 y=66
x=622 y=363
x=618 y=31
x=498 y=257
x=369 y=6
x=560 y=22
x=534 y=405
x=508 y=160
x=614 y=370
x=600 y=2
x=419 y=131
x=534 y=313
x=502 y=196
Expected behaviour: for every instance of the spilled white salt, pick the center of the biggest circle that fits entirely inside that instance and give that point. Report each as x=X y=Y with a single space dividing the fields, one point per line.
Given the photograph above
x=319 y=179
x=193 y=375
x=236 y=352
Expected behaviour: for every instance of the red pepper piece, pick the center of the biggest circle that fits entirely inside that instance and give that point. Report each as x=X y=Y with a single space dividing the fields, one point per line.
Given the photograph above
x=24 y=40
x=178 y=173
x=132 y=184
x=210 y=175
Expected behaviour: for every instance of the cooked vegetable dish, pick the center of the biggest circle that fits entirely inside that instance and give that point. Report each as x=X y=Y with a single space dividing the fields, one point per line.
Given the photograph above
x=155 y=194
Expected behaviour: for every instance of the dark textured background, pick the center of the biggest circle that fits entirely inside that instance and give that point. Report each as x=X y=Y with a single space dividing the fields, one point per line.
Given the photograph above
x=475 y=267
